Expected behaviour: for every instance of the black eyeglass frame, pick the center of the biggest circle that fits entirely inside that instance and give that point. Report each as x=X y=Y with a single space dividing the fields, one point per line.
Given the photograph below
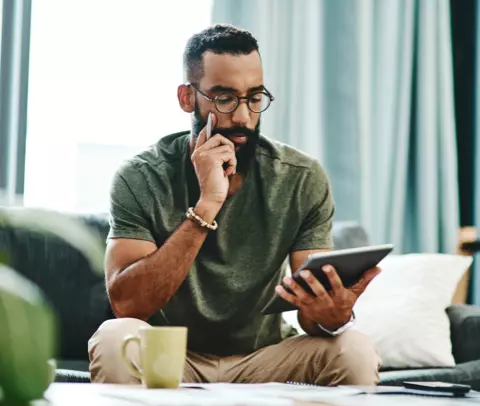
x=239 y=99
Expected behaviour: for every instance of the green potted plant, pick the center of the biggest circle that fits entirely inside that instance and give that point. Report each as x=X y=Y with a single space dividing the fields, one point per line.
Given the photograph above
x=28 y=323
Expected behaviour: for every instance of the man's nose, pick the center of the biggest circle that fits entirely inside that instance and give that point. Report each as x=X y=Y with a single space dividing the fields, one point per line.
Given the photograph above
x=241 y=116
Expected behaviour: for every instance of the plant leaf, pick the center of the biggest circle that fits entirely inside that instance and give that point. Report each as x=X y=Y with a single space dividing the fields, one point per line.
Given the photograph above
x=65 y=227
x=28 y=338
x=4 y=258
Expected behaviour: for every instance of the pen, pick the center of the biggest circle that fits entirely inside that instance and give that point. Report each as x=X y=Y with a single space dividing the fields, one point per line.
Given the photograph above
x=209 y=125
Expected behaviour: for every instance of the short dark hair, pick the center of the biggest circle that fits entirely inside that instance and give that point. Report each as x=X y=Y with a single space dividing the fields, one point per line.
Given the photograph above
x=219 y=39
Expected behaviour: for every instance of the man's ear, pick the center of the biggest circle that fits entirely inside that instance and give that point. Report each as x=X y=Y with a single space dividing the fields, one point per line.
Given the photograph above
x=186 y=98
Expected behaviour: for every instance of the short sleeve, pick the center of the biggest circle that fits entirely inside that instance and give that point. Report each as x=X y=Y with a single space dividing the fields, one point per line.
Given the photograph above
x=315 y=231
x=128 y=219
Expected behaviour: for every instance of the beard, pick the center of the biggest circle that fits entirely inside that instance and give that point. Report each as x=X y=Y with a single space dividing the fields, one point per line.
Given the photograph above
x=246 y=152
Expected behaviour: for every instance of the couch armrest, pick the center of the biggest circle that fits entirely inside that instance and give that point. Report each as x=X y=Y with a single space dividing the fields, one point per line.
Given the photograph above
x=465 y=330
x=348 y=234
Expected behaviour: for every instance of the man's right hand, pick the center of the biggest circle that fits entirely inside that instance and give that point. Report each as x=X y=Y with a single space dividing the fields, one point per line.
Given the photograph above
x=208 y=159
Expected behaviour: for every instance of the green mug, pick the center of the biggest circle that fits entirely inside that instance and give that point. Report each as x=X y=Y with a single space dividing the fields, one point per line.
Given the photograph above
x=163 y=353
x=52 y=365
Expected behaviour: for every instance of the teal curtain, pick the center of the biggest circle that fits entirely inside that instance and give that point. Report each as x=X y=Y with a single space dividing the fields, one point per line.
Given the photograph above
x=366 y=87
x=475 y=282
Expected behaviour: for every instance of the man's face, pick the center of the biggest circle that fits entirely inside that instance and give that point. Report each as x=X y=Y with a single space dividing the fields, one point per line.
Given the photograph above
x=242 y=75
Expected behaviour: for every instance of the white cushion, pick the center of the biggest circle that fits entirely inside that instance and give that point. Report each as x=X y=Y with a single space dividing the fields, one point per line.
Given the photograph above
x=403 y=309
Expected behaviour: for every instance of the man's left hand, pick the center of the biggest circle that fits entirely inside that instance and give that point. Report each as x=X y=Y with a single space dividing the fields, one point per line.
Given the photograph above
x=332 y=309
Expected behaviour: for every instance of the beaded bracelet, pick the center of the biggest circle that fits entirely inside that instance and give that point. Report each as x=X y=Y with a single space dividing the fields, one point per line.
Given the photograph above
x=201 y=222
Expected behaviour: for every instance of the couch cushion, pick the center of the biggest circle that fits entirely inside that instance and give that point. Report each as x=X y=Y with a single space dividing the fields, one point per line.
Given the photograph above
x=403 y=309
x=465 y=330
x=348 y=234
x=77 y=294
x=73 y=364
x=467 y=373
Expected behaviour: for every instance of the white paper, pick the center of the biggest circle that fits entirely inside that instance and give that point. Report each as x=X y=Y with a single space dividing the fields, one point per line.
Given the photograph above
x=277 y=391
x=194 y=397
x=221 y=394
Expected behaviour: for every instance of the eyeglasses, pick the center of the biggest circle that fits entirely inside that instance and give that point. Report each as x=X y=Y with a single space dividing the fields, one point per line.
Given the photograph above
x=227 y=102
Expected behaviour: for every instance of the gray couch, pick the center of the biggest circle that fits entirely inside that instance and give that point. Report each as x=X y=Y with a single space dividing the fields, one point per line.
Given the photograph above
x=81 y=303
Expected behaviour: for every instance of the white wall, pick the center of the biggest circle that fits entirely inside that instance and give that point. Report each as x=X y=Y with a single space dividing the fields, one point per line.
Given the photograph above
x=95 y=166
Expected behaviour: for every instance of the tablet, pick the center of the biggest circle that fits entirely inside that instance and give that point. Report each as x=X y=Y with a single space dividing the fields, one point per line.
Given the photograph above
x=350 y=265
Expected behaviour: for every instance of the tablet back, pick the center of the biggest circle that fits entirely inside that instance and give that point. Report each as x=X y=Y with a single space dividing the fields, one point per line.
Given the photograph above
x=350 y=265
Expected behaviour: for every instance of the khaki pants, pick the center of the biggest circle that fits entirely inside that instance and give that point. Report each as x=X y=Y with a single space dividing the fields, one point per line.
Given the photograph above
x=348 y=359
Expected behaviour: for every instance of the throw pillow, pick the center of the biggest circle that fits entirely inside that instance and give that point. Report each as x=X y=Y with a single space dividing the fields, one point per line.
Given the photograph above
x=403 y=309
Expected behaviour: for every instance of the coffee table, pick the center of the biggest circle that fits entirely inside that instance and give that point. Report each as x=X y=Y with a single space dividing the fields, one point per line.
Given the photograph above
x=76 y=394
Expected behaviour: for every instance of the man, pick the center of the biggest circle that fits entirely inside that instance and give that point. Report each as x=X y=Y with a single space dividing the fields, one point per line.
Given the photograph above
x=200 y=230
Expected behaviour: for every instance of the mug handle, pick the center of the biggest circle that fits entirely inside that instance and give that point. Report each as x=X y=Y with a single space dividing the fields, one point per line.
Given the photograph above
x=137 y=372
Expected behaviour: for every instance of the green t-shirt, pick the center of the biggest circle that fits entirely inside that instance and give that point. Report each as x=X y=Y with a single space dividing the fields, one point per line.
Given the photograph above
x=285 y=204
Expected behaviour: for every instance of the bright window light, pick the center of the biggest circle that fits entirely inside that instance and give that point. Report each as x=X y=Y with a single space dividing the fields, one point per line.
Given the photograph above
x=102 y=86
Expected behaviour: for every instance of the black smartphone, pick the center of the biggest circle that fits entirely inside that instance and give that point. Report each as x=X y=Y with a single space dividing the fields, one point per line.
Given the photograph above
x=444 y=387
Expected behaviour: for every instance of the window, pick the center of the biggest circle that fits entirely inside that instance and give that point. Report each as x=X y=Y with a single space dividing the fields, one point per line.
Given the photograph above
x=3 y=199
x=102 y=86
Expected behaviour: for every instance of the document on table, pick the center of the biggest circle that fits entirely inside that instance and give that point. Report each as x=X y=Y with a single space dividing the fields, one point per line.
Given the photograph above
x=273 y=390
x=221 y=394
x=193 y=397
x=269 y=394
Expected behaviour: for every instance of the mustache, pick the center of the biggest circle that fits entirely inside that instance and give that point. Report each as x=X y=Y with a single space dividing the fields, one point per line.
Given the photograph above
x=235 y=131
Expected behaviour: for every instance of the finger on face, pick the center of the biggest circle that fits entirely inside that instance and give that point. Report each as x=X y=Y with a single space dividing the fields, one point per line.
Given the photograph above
x=231 y=170
x=230 y=159
x=221 y=149
x=299 y=292
x=317 y=288
x=333 y=278
x=202 y=137
x=289 y=297
x=219 y=140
